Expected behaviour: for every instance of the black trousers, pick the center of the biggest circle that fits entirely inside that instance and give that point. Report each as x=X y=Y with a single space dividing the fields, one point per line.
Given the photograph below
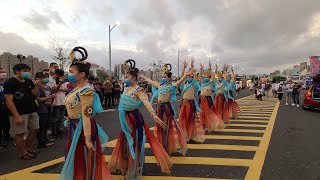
x=107 y=100
x=280 y=96
x=4 y=123
x=44 y=124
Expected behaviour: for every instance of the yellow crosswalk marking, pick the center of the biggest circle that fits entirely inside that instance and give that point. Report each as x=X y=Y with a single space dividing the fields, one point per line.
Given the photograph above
x=247 y=125
x=249 y=121
x=232 y=137
x=241 y=130
x=255 y=117
x=200 y=160
x=253 y=114
x=207 y=146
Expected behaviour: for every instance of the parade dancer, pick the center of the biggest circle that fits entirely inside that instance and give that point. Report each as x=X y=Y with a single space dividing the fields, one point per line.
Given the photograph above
x=86 y=139
x=128 y=154
x=188 y=118
x=221 y=102
x=209 y=117
x=172 y=137
x=233 y=108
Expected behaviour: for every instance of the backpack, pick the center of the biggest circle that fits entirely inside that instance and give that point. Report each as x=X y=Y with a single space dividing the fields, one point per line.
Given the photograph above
x=280 y=88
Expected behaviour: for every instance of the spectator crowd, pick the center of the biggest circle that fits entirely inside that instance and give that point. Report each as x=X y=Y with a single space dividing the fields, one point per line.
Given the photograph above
x=32 y=109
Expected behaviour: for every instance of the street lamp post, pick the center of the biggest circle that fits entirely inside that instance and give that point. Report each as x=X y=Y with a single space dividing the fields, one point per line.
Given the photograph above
x=179 y=59
x=110 y=29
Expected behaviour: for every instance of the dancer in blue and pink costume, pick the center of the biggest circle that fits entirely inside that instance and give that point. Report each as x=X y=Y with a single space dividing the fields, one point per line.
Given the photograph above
x=86 y=139
x=172 y=137
x=209 y=117
x=188 y=118
x=128 y=154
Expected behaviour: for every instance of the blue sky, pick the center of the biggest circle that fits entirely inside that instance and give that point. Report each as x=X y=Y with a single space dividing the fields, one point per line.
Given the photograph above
x=256 y=36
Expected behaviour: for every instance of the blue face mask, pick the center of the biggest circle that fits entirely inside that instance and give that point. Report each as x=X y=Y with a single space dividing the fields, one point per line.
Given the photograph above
x=163 y=81
x=206 y=80
x=72 y=78
x=189 y=80
x=45 y=81
x=26 y=75
x=127 y=82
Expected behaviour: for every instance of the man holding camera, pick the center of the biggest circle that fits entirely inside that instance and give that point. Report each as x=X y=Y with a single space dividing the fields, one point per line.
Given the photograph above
x=58 y=86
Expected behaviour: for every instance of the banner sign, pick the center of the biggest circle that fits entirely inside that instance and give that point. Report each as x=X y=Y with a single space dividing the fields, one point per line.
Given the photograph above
x=315 y=65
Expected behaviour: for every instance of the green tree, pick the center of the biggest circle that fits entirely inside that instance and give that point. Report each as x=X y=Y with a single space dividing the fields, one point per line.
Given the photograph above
x=102 y=74
x=279 y=78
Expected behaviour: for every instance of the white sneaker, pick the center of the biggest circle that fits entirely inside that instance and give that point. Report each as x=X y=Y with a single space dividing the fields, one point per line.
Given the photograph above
x=297 y=105
x=293 y=104
x=286 y=104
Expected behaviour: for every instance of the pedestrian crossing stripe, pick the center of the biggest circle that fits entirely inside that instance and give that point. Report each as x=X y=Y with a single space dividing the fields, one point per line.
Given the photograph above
x=253 y=114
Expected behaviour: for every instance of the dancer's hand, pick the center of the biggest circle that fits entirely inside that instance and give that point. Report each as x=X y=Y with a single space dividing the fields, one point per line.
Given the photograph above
x=89 y=144
x=190 y=72
x=192 y=63
x=201 y=66
x=159 y=121
x=185 y=64
x=210 y=65
x=216 y=67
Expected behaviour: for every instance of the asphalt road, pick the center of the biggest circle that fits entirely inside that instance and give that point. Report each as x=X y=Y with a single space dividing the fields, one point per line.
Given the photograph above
x=293 y=151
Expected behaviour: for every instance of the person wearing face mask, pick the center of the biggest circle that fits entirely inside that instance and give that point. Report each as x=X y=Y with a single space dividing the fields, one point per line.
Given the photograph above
x=52 y=75
x=188 y=117
x=4 y=116
x=221 y=100
x=44 y=99
x=232 y=109
x=172 y=137
x=20 y=93
x=209 y=117
x=86 y=140
x=59 y=87
x=128 y=155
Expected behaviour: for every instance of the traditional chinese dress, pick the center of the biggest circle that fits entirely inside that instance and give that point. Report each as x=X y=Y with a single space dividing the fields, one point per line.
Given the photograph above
x=221 y=101
x=188 y=119
x=172 y=137
x=209 y=117
x=233 y=107
x=128 y=154
x=80 y=164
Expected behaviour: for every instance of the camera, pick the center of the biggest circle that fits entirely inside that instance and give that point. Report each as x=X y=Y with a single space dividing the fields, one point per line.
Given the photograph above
x=59 y=73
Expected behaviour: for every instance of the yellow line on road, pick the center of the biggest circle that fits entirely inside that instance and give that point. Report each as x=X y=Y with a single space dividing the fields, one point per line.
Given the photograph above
x=248 y=125
x=241 y=130
x=232 y=137
x=255 y=114
x=255 y=117
x=208 y=146
x=200 y=160
x=254 y=171
x=253 y=121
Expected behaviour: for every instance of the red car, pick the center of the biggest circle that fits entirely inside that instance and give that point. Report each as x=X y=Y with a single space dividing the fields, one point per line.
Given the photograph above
x=312 y=96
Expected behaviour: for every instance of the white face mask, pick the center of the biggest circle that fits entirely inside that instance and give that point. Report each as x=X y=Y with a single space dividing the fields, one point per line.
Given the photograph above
x=3 y=75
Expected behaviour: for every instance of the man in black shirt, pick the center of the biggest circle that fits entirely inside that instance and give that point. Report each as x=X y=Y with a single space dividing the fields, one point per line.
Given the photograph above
x=20 y=95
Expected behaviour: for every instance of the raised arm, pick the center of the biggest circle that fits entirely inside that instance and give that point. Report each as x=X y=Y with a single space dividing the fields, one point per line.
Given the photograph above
x=233 y=75
x=195 y=77
x=182 y=79
x=153 y=83
x=213 y=74
x=185 y=65
x=201 y=73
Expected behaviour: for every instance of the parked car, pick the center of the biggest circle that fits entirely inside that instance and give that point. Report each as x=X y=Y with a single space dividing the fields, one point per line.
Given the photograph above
x=312 y=95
